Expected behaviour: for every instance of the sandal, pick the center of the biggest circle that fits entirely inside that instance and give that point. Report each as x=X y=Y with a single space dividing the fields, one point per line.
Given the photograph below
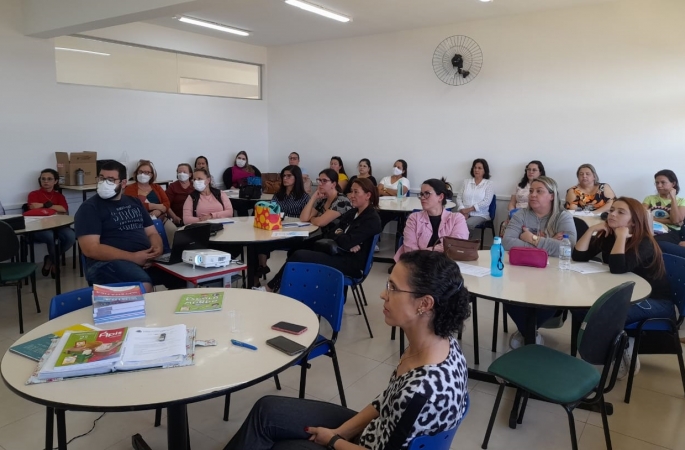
x=47 y=266
x=52 y=272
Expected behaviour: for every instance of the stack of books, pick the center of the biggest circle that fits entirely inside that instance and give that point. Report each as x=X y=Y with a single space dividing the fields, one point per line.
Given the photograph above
x=112 y=304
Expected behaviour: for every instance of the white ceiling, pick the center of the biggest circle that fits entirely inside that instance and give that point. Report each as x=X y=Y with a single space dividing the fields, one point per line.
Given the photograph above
x=274 y=23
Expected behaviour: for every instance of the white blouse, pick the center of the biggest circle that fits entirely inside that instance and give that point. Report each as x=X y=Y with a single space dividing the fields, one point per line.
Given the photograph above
x=521 y=194
x=477 y=195
x=390 y=185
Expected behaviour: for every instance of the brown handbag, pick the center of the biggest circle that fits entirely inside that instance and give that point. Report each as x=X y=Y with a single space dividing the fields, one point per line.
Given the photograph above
x=460 y=249
x=271 y=183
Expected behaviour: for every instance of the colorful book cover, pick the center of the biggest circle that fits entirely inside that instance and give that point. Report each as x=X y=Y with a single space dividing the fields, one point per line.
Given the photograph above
x=91 y=346
x=204 y=302
x=107 y=295
x=35 y=348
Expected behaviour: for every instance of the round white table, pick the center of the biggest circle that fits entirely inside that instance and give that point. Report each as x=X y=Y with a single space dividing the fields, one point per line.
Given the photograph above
x=54 y=223
x=217 y=370
x=242 y=232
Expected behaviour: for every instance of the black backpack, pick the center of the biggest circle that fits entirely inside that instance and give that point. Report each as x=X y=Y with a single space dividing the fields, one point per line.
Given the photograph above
x=196 y=198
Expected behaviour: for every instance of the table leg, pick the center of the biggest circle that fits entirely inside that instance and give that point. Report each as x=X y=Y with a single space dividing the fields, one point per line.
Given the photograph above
x=252 y=263
x=85 y=196
x=575 y=328
x=57 y=265
x=177 y=427
x=49 y=426
x=61 y=429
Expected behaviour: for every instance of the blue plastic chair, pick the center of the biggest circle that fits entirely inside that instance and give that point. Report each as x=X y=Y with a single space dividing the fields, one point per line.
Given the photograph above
x=159 y=226
x=489 y=224
x=356 y=284
x=660 y=335
x=440 y=441
x=80 y=298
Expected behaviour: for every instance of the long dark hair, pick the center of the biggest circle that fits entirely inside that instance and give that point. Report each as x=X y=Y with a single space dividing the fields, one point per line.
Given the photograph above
x=333 y=176
x=441 y=187
x=486 y=167
x=298 y=187
x=671 y=177
x=367 y=186
x=342 y=166
x=207 y=162
x=405 y=168
x=524 y=180
x=368 y=163
x=433 y=273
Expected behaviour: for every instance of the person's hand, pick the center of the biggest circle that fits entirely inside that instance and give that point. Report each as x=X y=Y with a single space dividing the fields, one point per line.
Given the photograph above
x=559 y=236
x=155 y=213
x=355 y=249
x=526 y=235
x=381 y=187
x=601 y=226
x=176 y=220
x=319 y=195
x=622 y=233
x=156 y=250
x=464 y=212
x=35 y=205
x=673 y=193
x=205 y=217
x=143 y=257
x=320 y=435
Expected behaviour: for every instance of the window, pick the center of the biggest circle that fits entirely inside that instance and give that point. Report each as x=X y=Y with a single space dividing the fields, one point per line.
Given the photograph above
x=95 y=62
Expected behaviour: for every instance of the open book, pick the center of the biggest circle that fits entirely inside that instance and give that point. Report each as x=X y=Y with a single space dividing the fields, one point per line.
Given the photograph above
x=84 y=353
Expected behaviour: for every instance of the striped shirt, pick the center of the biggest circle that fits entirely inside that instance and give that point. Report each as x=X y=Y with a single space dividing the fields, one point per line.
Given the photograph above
x=291 y=206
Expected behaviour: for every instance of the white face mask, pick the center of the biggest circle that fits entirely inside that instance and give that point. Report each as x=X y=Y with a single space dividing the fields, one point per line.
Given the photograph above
x=182 y=176
x=106 y=190
x=142 y=178
x=199 y=185
x=240 y=162
x=397 y=171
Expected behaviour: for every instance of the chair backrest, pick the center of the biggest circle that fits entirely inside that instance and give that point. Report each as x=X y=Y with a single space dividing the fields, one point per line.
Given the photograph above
x=581 y=226
x=80 y=298
x=492 y=209
x=369 y=258
x=675 y=271
x=605 y=320
x=440 y=441
x=9 y=243
x=159 y=226
x=319 y=287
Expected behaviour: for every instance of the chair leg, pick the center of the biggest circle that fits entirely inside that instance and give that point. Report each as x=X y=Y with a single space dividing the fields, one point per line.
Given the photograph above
x=338 y=377
x=158 y=417
x=505 y=323
x=303 y=377
x=227 y=406
x=605 y=421
x=278 y=382
x=355 y=292
x=522 y=411
x=361 y=289
x=572 y=428
x=495 y=323
x=35 y=291
x=493 y=415
x=73 y=257
x=356 y=301
x=482 y=235
x=21 y=313
x=474 y=317
x=679 y=353
x=631 y=370
x=80 y=262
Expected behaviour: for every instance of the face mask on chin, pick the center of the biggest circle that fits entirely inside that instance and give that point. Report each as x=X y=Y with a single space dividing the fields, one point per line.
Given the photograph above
x=240 y=162
x=182 y=176
x=107 y=191
x=396 y=171
x=199 y=185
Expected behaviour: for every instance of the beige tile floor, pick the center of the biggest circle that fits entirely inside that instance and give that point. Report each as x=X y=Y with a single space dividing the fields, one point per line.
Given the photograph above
x=654 y=419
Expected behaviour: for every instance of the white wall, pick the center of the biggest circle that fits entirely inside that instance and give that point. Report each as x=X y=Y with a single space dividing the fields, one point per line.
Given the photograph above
x=601 y=84
x=39 y=116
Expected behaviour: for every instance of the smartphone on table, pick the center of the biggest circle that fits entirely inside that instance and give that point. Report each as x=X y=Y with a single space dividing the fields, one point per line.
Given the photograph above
x=286 y=345
x=288 y=327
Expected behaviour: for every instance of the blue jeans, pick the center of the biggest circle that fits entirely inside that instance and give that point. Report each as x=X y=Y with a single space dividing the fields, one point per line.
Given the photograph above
x=650 y=309
x=120 y=271
x=66 y=238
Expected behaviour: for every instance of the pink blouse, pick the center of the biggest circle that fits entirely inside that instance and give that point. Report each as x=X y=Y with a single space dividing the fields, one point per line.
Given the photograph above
x=208 y=204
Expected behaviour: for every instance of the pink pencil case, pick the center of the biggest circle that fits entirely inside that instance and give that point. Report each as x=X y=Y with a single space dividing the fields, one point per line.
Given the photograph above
x=531 y=257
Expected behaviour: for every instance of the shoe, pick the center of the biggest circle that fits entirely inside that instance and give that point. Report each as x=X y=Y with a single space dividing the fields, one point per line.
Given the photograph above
x=259 y=288
x=262 y=271
x=516 y=340
x=624 y=367
x=376 y=249
x=47 y=265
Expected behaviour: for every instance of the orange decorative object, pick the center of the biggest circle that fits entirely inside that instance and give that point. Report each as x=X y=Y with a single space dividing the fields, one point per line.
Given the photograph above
x=267 y=216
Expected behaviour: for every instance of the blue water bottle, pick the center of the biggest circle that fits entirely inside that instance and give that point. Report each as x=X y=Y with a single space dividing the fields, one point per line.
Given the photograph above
x=496 y=258
x=400 y=190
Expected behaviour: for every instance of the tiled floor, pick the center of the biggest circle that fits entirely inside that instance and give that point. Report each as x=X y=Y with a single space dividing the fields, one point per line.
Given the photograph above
x=653 y=420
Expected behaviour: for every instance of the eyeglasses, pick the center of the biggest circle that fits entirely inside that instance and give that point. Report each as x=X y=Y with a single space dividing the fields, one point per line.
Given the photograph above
x=287 y=175
x=322 y=180
x=47 y=179
x=292 y=157
x=390 y=289
x=425 y=194
x=111 y=181
x=145 y=172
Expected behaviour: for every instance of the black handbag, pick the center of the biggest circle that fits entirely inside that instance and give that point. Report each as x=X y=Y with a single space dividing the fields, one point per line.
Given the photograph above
x=250 y=192
x=327 y=246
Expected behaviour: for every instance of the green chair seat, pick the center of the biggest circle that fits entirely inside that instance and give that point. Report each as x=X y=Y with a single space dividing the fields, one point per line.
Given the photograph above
x=553 y=375
x=15 y=271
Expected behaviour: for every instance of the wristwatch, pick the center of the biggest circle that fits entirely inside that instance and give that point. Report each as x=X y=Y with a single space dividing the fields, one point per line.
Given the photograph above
x=331 y=443
x=535 y=240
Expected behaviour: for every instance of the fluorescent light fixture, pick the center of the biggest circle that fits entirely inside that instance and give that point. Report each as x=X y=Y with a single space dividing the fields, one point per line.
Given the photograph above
x=81 y=51
x=318 y=10
x=213 y=26
x=486 y=1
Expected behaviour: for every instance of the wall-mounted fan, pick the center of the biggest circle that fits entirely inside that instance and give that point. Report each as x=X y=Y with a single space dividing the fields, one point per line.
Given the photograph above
x=457 y=60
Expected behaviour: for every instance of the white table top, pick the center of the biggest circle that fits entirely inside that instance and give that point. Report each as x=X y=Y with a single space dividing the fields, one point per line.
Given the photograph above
x=195 y=274
x=548 y=287
x=45 y=223
x=242 y=231
x=216 y=370
x=406 y=204
x=233 y=195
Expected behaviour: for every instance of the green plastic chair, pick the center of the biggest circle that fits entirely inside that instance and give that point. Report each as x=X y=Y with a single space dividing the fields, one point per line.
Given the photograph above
x=13 y=273
x=559 y=378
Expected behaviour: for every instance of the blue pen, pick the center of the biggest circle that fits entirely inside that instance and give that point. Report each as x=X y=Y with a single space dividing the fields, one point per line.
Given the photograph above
x=243 y=344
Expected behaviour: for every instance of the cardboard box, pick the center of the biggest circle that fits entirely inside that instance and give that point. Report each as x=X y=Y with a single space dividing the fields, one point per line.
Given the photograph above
x=67 y=165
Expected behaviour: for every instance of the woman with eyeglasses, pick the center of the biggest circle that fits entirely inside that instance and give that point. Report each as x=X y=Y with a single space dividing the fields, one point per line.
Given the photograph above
x=294 y=160
x=425 y=229
x=178 y=192
x=327 y=203
x=364 y=170
x=666 y=207
x=543 y=225
x=52 y=202
x=292 y=199
x=152 y=195
x=519 y=199
x=337 y=165
x=425 y=296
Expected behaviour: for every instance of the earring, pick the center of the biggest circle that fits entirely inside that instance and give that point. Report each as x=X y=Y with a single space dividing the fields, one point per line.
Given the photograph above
x=419 y=312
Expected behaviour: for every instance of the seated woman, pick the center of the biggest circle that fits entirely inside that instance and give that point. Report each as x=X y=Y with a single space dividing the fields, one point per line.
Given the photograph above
x=337 y=165
x=292 y=199
x=589 y=194
x=206 y=202
x=519 y=199
x=48 y=197
x=475 y=196
x=236 y=176
x=425 y=229
x=353 y=234
x=327 y=203
x=365 y=171
x=152 y=195
x=425 y=296
x=626 y=243
x=541 y=225
x=178 y=192
x=661 y=208
x=202 y=162
x=389 y=185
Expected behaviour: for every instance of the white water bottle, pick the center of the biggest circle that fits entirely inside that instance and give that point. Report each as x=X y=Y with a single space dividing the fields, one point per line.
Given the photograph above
x=400 y=190
x=565 y=253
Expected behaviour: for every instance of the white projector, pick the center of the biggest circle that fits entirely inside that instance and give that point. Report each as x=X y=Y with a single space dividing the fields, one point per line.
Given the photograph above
x=206 y=258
